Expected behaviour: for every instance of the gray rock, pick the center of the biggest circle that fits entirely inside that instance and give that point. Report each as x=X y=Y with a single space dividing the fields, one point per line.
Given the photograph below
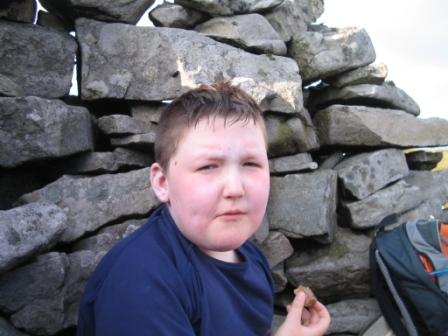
x=292 y=17
x=106 y=162
x=229 y=7
x=330 y=161
x=49 y=20
x=19 y=10
x=175 y=16
x=92 y=202
x=386 y=95
x=291 y=164
x=81 y=266
x=432 y=185
x=352 y=316
x=161 y=63
x=28 y=230
x=6 y=329
x=423 y=160
x=147 y=113
x=328 y=52
x=277 y=248
x=279 y=277
x=108 y=236
x=33 y=128
x=290 y=136
x=367 y=126
x=339 y=270
x=33 y=294
x=118 y=10
x=251 y=32
x=370 y=211
x=312 y=213
x=370 y=74
x=262 y=233
x=429 y=208
x=120 y=124
x=39 y=59
x=363 y=174
x=143 y=142
x=10 y=88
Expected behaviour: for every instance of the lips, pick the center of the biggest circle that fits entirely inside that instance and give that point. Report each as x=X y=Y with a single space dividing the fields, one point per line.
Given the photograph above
x=231 y=214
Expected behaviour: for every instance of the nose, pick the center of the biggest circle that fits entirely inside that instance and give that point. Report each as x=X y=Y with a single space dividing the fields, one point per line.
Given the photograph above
x=233 y=184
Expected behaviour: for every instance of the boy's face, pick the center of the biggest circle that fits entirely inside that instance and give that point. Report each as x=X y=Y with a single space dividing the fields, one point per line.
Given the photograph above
x=217 y=184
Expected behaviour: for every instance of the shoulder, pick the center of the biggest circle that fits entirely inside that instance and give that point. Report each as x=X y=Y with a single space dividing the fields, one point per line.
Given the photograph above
x=151 y=252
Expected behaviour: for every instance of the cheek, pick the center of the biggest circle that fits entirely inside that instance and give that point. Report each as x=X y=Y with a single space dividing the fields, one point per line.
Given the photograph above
x=260 y=190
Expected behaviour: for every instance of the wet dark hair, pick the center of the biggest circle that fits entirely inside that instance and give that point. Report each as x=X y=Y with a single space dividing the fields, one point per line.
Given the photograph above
x=218 y=100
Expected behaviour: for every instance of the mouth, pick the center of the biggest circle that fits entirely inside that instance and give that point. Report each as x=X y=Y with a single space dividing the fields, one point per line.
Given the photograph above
x=231 y=214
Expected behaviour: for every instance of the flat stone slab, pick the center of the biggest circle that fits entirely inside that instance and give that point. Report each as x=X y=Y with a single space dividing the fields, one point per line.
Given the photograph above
x=366 y=126
x=33 y=128
x=251 y=32
x=369 y=74
x=121 y=125
x=104 y=10
x=39 y=59
x=292 y=17
x=340 y=269
x=32 y=294
x=19 y=10
x=290 y=136
x=106 y=162
x=175 y=16
x=229 y=7
x=92 y=202
x=291 y=164
x=423 y=159
x=276 y=247
x=352 y=316
x=386 y=96
x=363 y=174
x=327 y=52
x=370 y=211
x=304 y=205
x=161 y=63
x=28 y=230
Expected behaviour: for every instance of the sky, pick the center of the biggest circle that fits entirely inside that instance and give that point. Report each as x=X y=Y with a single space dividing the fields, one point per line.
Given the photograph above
x=409 y=36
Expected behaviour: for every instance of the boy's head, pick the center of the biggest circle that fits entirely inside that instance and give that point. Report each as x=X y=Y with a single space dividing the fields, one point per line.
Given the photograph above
x=212 y=168
x=218 y=100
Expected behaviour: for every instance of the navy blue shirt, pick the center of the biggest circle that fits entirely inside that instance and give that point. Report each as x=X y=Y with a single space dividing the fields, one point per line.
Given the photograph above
x=156 y=282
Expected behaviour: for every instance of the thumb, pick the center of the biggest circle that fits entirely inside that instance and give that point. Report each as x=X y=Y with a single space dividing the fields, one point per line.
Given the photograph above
x=295 y=309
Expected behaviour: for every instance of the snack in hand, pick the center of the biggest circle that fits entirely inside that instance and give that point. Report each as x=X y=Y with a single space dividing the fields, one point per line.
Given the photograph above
x=310 y=299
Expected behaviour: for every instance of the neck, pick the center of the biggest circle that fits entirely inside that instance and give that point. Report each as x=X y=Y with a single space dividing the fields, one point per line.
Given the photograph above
x=227 y=256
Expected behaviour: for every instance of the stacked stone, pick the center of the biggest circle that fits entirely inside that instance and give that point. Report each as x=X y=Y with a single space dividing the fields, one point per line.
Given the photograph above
x=73 y=170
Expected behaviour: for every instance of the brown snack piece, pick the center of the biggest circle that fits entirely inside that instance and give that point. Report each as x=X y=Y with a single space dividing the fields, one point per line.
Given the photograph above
x=310 y=299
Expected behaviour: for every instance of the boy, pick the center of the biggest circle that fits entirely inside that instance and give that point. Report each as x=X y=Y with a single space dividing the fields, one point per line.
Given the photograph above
x=191 y=269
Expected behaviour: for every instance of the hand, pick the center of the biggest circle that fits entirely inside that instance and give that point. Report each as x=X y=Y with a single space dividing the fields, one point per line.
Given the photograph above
x=305 y=322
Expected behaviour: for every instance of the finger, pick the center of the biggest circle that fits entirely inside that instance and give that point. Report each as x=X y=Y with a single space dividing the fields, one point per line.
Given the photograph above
x=296 y=308
x=306 y=317
x=320 y=320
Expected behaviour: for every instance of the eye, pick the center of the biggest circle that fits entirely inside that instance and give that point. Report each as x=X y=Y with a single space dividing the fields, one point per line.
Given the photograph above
x=251 y=164
x=207 y=167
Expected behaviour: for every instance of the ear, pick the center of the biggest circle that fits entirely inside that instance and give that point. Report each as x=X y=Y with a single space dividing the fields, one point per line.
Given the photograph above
x=159 y=182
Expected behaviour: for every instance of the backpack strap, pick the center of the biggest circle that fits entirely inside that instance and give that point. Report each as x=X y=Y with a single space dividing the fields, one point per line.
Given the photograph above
x=407 y=320
x=382 y=294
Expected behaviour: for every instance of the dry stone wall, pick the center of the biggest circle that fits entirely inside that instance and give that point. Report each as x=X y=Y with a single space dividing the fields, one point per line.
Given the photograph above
x=74 y=170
